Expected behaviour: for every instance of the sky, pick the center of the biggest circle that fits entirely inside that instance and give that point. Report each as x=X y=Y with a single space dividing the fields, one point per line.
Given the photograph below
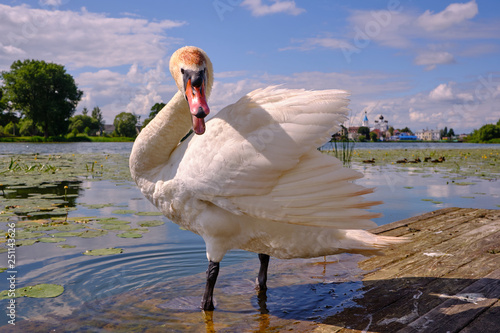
x=422 y=64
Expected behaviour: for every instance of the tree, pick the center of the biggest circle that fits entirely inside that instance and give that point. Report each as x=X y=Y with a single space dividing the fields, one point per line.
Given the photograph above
x=125 y=124
x=391 y=130
x=85 y=111
x=487 y=132
x=6 y=114
x=365 y=131
x=97 y=115
x=43 y=92
x=451 y=133
x=373 y=136
x=406 y=130
x=154 y=111
x=80 y=122
x=27 y=128
x=444 y=132
x=10 y=129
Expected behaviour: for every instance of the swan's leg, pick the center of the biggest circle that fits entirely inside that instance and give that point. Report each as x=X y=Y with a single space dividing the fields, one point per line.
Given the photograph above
x=262 y=279
x=207 y=303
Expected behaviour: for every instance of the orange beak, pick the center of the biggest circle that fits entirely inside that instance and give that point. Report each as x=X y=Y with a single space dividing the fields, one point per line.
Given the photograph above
x=198 y=107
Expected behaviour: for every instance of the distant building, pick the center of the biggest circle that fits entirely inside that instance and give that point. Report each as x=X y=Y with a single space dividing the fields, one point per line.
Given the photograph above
x=404 y=137
x=365 y=123
x=381 y=124
x=108 y=129
x=352 y=132
x=428 y=135
x=380 y=127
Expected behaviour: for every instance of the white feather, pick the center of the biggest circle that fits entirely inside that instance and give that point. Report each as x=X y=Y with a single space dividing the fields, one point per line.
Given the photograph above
x=255 y=180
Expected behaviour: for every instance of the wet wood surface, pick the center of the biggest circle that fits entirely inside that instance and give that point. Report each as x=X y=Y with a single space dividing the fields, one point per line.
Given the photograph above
x=445 y=279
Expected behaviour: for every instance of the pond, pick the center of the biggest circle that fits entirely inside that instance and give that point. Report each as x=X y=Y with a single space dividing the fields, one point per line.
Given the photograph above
x=70 y=199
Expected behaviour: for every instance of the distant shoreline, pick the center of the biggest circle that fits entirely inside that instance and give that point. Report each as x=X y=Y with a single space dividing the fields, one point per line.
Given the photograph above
x=39 y=139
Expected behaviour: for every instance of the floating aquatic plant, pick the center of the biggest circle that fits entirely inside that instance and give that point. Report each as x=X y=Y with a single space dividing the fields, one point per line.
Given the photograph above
x=123 y=211
x=43 y=290
x=154 y=223
x=103 y=252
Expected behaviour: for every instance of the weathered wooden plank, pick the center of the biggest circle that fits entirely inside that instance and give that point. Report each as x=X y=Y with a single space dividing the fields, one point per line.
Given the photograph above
x=429 y=259
x=410 y=220
x=395 y=297
x=420 y=297
x=425 y=236
x=459 y=310
x=487 y=322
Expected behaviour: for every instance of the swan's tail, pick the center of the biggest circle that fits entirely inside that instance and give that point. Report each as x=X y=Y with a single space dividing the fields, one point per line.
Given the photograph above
x=364 y=242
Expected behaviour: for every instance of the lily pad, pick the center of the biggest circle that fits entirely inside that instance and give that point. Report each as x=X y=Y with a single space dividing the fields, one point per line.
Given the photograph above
x=27 y=234
x=154 y=223
x=149 y=213
x=114 y=221
x=43 y=290
x=123 y=211
x=66 y=246
x=3 y=269
x=115 y=226
x=103 y=252
x=130 y=234
x=67 y=227
x=464 y=183
x=68 y=234
x=26 y=242
x=96 y=206
x=52 y=239
x=93 y=233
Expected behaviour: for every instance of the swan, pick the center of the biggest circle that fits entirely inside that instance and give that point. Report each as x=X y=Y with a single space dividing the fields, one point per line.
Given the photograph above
x=251 y=178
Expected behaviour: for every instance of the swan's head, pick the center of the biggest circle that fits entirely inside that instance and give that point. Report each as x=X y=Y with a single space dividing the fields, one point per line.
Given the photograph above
x=192 y=71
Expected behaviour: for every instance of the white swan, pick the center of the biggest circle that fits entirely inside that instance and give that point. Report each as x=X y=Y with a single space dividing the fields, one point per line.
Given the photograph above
x=254 y=180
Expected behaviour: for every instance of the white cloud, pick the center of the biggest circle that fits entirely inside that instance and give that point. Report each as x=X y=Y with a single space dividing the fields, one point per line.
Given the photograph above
x=454 y=14
x=442 y=92
x=325 y=42
x=54 y=3
x=406 y=29
x=135 y=92
x=257 y=8
x=78 y=39
x=432 y=58
x=393 y=28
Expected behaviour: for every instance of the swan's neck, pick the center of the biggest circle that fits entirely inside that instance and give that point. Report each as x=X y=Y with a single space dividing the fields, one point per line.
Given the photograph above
x=155 y=143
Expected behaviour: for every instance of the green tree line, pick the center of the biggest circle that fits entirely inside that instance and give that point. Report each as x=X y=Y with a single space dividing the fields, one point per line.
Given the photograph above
x=39 y=99
x=487 y=133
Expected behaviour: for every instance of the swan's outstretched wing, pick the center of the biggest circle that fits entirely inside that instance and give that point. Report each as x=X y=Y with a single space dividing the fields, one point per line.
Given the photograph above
x=259 y=157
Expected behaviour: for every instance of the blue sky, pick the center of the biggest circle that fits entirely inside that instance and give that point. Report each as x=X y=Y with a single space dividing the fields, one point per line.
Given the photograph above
x=425 y=64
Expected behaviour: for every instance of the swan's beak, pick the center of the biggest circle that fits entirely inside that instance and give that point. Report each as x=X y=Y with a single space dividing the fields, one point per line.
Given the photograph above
x=195 y=95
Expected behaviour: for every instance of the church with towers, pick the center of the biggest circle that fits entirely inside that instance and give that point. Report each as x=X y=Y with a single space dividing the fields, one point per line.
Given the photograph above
x=380 y=126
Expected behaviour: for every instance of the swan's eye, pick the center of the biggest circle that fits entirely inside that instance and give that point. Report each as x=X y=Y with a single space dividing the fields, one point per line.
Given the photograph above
x=182 y=70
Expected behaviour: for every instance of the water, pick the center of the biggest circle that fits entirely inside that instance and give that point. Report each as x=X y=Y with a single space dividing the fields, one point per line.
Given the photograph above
x=7 y=148
x=160 y=277
x=415 y=145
